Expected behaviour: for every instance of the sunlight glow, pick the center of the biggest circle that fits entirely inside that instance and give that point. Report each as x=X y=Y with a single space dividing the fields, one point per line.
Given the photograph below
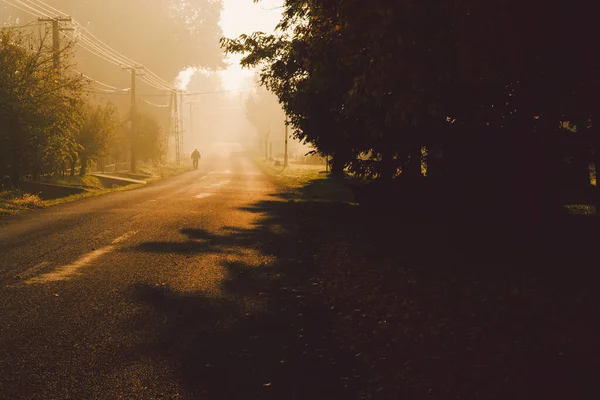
x=184 y=78
x=245 y=16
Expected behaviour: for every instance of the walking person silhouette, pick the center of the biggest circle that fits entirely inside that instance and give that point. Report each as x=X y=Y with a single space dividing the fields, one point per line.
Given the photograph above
x=195 y=158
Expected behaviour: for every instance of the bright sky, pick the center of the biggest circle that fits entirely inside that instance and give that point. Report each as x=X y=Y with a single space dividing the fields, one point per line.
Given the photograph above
x=245 y=16
x=238 y=17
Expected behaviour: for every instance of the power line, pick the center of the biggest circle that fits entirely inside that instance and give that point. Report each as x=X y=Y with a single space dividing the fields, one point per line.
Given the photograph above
x=20 y=8
x=126 y=60
x=151 y=79
x=96 y=81
x=157 y=105
x=48 y=8
x=32 y=8
x=185 y=94
x=95 y=52
x=94 y=44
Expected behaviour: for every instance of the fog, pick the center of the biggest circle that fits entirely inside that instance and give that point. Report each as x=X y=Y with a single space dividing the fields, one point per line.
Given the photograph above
x=176 y=44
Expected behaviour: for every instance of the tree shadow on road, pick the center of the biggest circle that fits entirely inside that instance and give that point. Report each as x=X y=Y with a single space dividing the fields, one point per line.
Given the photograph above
x=267 y=335
x=353 y=304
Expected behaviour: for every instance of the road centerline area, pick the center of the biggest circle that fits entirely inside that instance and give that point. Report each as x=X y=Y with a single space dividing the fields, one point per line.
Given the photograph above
x=66 y=272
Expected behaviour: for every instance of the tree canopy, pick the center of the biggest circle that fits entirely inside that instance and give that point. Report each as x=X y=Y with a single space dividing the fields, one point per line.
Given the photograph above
x=486 y=86
x=38 y=108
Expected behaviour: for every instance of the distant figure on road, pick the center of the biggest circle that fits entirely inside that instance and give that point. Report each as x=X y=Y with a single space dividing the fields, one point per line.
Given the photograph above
x=195 y=158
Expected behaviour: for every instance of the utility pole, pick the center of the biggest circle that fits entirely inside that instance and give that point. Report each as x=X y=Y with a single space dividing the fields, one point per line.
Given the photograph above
x=132 y=118
x=267 y=143
x=192 y=104
x=181 y=119
x=191 y=120
x=56 y=29
x=177 y=133
x=285 y=153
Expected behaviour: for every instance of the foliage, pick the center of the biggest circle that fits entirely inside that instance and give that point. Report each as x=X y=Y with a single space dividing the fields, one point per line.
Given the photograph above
x=38 y=108
x=95 y=133
x=150 y=140
x=485 y=84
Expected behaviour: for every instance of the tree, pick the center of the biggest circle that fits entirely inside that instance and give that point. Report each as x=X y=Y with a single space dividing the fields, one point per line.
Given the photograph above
x=95 y=133
x=487 y=83
x=264 y=112
x=37 y=107
x=150 y=140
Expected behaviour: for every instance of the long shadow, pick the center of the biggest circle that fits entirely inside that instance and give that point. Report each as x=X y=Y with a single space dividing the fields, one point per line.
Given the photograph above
x=268 y=335
x=360 y=304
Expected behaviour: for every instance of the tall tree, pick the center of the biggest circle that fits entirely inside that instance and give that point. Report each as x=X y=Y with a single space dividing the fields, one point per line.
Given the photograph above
x=38 y=107
x=97 y=130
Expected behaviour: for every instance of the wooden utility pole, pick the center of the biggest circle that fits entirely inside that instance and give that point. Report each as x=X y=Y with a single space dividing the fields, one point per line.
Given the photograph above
x=192 y=104
x=267 y=143
x=285 y=153
x=181 y=126
x=133 y=118
x=177 y=133
x=56 y=29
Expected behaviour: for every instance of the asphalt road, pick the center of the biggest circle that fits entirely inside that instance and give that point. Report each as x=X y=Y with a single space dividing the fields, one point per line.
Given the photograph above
x=170 y=291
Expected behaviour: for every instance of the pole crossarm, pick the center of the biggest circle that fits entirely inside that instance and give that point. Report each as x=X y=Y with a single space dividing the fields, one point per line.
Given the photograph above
x=56 y=29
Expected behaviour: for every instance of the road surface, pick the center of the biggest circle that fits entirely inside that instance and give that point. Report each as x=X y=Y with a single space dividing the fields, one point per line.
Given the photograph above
x=173 y=291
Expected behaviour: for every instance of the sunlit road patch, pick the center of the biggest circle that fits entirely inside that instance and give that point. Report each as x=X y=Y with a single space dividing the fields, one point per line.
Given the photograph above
x=204 y=195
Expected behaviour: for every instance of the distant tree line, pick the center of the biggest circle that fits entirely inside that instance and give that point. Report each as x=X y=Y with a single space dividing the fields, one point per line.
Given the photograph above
x=498 y=98
x=48 y=123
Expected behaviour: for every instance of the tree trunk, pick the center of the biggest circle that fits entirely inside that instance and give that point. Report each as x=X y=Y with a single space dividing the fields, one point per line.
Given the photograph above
x=388 y=169
x=73 y=164
x=338 y=164
x=84 y=166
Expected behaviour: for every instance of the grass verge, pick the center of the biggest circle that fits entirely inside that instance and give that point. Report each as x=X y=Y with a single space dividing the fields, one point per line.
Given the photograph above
x=15 y=201
x=89 y=193
x=307 y=182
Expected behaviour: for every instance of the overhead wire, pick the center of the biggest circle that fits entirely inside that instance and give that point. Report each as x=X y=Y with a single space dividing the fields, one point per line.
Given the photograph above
x=32 y=8
x=105 y=51
x=126 y=60
x=20 y=8
x=94 y=52
x=46 y=7
x=97 y=81
x=91 y=47
x=96 y=47
x=157 y=105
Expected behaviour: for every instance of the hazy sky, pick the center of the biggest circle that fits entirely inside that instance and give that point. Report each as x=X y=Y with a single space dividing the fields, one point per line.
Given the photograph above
x=244 y=16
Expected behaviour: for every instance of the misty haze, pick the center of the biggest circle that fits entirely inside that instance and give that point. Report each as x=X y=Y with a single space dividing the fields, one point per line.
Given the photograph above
x=285 y=199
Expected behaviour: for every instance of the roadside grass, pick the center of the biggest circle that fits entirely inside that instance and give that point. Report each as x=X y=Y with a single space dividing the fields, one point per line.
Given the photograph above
x=307 y=182
x=86 y=182
x=89 y=193
x=15 y=201
x=150 y=173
